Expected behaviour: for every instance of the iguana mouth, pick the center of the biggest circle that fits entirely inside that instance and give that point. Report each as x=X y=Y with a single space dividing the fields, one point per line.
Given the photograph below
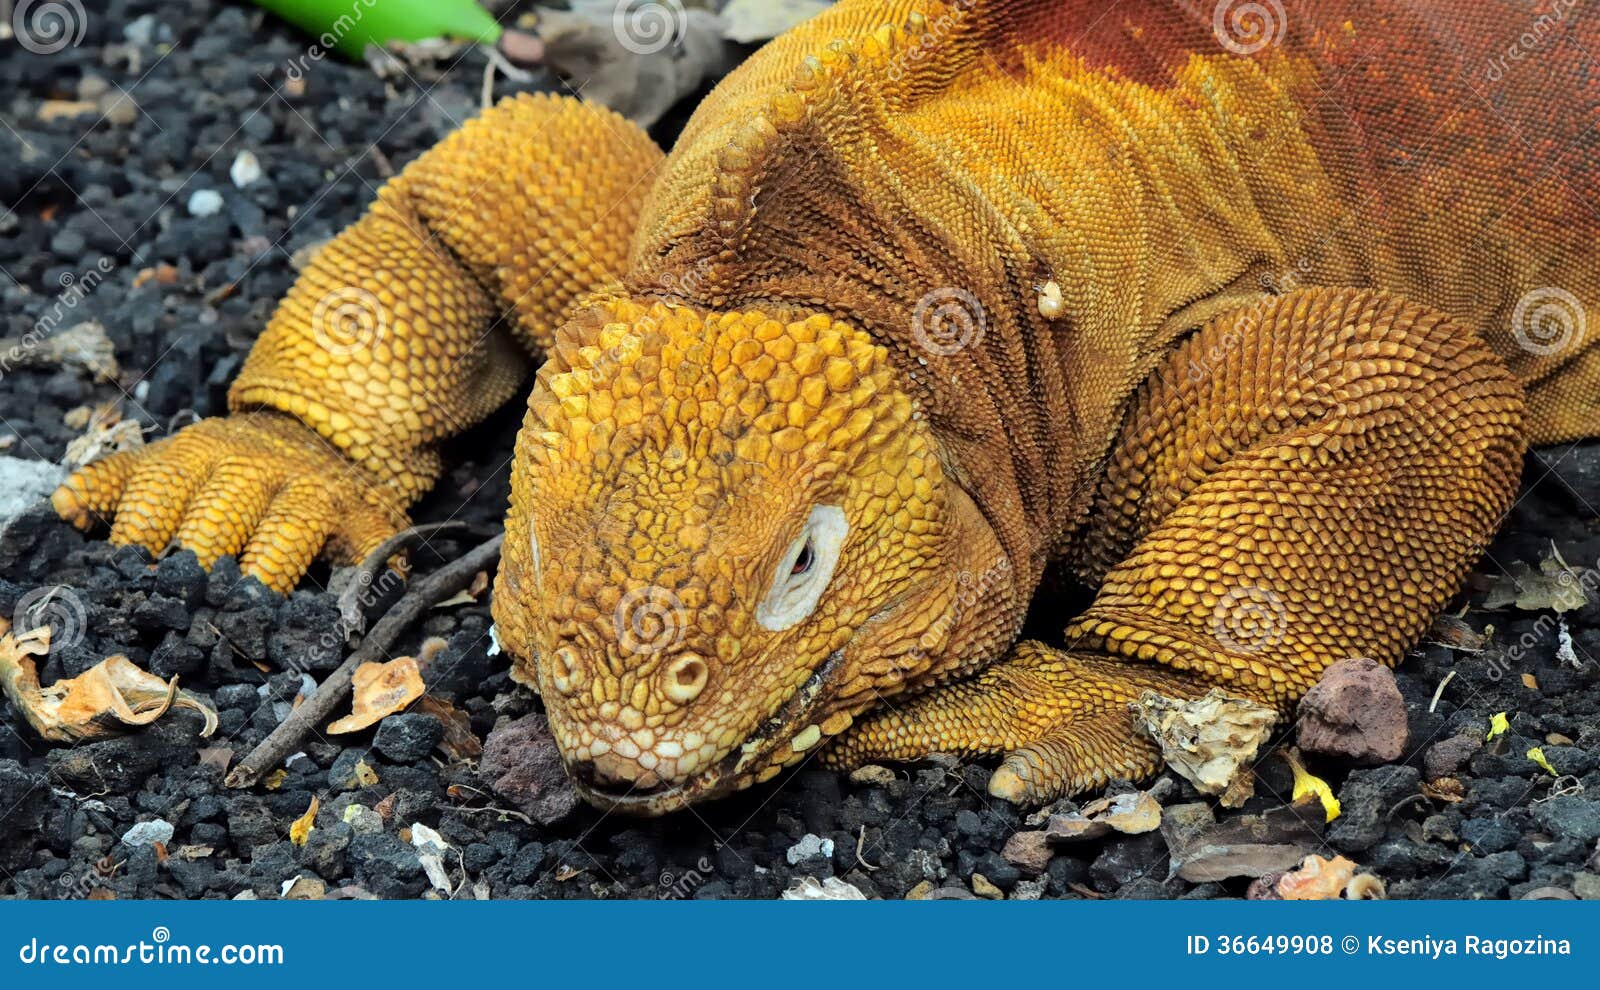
x=770 y=745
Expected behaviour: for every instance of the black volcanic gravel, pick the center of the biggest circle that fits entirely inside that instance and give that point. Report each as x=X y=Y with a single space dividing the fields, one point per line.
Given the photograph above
x=208 y=80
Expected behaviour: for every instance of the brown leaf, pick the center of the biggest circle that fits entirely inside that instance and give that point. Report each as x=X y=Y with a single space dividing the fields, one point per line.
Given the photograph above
x=1446 y=789
x=459 y=742
x=380 y=689
x=112 y=695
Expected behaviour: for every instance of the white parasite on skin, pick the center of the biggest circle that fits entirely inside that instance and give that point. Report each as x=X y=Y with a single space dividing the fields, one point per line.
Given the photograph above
x=1050 y=300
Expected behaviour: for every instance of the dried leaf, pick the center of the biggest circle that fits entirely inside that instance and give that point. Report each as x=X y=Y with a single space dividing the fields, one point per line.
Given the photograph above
x=638 y=67
x=431 y=847
x=380 y=689
x=1530 y=682
x=275 y=779
x=462 y=597
x=1446 y=789
x=1554 y=586
x=112 y=695
x=80 y=347
x=1210 y=741
x=365 y=775
x=1454 y=632
x=1130 y=814
x=301 y=829
x=100 y=442
x=303 y=888
x=216 y=756
x=826 y=889
x=459 y=742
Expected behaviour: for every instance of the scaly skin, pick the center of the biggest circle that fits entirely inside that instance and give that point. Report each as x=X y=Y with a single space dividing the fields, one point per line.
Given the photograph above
x=1247 y=328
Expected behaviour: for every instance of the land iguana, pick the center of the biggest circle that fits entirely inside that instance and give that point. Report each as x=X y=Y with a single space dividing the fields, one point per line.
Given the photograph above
x=1245 y=313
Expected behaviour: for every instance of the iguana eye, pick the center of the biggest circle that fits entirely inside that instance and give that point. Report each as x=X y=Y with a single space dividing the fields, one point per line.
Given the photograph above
x=802 y=563
x=805 y=569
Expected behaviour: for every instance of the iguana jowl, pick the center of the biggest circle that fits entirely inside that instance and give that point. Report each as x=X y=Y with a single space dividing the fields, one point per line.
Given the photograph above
x=1246 y=312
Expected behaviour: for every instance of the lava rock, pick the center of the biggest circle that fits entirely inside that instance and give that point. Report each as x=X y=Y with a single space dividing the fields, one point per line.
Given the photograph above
x=522 y=764
x=1449 y=756
x=386 y=866
x=1365 y=801
x=1028 y=851
x=1569 y=814
x=1354 y=711
x=408 y=737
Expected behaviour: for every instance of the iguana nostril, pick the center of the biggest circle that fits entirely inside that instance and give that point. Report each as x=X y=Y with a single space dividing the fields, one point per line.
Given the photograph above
x=684 y=679
x=565 y=672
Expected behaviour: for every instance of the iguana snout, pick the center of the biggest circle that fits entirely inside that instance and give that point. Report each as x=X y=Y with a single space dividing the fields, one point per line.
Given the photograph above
x=711 y=513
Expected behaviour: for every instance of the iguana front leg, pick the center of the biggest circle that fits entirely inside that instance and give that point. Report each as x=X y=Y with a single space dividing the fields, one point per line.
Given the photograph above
x=1303 y=480
x=408 y=327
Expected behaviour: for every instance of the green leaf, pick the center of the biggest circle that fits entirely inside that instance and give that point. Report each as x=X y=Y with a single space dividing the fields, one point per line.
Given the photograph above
x=349 y=26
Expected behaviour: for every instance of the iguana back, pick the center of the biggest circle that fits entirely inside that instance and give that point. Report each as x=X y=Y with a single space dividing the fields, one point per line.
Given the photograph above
x=1161 y=161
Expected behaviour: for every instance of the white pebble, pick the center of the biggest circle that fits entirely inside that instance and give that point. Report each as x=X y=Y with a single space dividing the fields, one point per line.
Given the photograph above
x=246 y=168
x=148 y=833
x=809 y=846
x=204 y=202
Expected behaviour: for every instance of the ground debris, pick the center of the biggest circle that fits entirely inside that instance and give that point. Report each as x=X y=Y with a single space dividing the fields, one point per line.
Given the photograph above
x=379 y=690
x=1204 y=849
x=1210 y=741
x=112 y=695
x=1131 y=814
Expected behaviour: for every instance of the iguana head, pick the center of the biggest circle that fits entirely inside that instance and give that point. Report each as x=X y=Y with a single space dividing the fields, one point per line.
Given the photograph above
x=713 y=516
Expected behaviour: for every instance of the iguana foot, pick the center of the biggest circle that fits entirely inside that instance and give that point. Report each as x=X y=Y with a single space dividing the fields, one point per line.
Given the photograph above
x=1062 y=719
x=260 y=485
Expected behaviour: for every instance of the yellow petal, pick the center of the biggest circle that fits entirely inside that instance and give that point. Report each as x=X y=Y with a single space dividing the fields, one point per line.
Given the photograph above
x=1537 y=755
x=1497 y=725
x=301 y=829
x=1308 y=784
